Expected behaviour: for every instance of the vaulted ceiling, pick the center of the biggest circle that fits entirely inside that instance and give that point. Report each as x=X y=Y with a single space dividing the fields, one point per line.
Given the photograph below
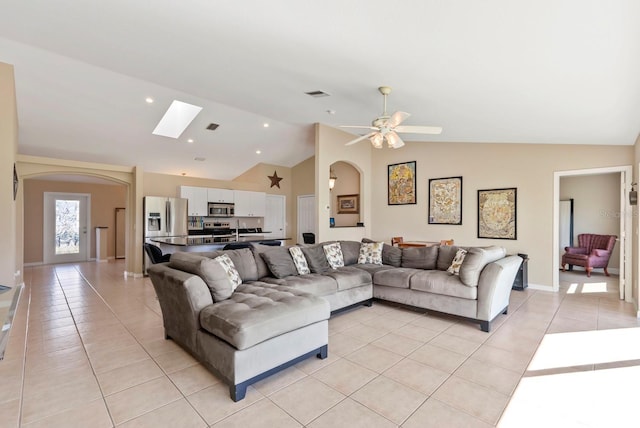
x=549 y=72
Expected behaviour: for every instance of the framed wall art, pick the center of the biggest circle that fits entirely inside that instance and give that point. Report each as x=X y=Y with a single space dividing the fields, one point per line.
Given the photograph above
x=445 y=200
x=497 y=216
x=401 y=187
x=348 y=204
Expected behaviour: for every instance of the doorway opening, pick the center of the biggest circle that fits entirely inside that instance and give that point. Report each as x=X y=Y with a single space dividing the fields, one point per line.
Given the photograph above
x=622 y=214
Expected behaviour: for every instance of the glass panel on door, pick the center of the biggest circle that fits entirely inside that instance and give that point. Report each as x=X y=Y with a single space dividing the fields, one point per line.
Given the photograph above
x=67 y=236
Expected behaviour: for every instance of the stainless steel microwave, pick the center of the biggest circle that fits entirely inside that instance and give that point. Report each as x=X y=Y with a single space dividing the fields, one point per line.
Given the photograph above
x=220 y=210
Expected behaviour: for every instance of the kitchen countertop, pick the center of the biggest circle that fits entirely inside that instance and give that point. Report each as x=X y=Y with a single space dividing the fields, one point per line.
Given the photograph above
x=187 y=241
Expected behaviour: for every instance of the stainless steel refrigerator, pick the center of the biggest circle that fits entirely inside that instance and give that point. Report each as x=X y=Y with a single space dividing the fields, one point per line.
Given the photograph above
x=163 y=217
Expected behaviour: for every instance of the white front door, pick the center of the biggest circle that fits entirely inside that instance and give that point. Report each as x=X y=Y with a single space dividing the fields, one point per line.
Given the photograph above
x=66 y=220
x=275 y=216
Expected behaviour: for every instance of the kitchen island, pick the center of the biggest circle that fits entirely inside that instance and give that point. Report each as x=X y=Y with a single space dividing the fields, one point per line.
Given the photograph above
x=205 y=243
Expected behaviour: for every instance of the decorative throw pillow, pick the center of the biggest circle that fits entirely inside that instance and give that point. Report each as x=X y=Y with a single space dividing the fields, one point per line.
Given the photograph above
x=299 y=260
x=230 y=269
x=334 y=256
x=454 y=269
x=371 y=252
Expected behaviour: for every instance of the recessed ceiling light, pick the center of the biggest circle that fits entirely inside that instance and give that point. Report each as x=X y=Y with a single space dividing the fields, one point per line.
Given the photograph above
x=190 y=140
x=178 y=116
x=266 y=125
x=149 y=100
x=258 y=152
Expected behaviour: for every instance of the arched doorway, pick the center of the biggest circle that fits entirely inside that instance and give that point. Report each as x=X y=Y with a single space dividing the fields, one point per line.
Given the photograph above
x=125 y=177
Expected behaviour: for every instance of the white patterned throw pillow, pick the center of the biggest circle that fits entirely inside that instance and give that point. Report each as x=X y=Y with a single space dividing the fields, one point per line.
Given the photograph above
x=299 y=260
x=370 y=252
x=333 y=253
x=454 y=269
x=230 y=269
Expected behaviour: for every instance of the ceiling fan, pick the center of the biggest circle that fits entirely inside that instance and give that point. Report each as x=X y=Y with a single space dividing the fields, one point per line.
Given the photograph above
x=386 y=128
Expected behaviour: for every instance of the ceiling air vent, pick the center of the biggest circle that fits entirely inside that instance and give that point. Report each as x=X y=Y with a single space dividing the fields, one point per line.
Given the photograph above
x=212 y=126
x=199 y=159
x=317 y=94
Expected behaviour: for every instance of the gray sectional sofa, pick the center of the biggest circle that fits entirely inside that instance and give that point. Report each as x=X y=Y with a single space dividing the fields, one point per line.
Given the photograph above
x=248 y=313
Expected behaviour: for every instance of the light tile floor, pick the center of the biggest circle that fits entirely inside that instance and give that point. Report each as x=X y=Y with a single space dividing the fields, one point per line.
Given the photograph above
x=87 y=350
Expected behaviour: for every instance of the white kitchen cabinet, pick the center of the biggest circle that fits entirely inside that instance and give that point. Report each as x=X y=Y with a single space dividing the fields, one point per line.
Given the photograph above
x=220 y=195
x=249 y=204
x=197 y=197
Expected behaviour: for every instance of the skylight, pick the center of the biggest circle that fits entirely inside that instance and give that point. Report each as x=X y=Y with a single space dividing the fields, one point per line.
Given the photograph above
x=178 y=116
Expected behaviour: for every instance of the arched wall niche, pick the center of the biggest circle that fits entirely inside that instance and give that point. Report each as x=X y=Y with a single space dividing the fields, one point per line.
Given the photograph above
x=31 y=167
x=347 y=188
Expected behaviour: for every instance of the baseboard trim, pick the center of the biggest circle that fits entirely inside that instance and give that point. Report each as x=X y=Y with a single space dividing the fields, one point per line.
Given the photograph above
x=541 y=287
x=132 y=275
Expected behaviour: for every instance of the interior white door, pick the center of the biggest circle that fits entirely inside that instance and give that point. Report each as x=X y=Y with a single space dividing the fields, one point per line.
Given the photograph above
x=66 y=220
x=306 y=216
x=275 y=216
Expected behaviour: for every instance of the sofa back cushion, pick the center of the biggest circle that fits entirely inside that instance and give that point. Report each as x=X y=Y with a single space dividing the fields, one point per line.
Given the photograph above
x=316 y=259
x=218 y=274
x=475 y=260
x=350 y=251
x=420 y=257
x=261 y=265
x=244 y=261
x=280 y=262
x=446 y=254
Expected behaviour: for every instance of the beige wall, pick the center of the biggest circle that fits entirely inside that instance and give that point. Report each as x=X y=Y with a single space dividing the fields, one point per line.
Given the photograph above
x=330 y=148
x=596 y=206
x=105 y=199
x=348 y=183
x=528 y=167
x=303 y=178
x=10 y=262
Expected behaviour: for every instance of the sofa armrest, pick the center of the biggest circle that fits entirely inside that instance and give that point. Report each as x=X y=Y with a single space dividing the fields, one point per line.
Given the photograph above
x=182 y=296
x=494 y=287
x=599 y=252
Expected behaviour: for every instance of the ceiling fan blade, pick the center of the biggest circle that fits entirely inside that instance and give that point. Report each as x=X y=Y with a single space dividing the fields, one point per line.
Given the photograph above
x=357 y=140
x=419 y=129
x=394 y=140
x=397 y=118
x=359 y=126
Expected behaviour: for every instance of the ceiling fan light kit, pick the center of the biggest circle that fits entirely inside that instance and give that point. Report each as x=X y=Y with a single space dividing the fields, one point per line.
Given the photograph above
x=386 y=128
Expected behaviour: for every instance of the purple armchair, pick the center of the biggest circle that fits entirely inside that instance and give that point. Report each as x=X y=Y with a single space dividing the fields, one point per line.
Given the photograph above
x=593 y=251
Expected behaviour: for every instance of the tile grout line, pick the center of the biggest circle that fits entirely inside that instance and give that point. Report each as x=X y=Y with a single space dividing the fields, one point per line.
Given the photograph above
x=166 y=375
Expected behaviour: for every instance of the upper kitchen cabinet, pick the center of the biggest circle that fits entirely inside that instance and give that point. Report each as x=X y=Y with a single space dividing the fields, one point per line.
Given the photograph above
x=249 y=204
x=197 y=197
x=220 y=195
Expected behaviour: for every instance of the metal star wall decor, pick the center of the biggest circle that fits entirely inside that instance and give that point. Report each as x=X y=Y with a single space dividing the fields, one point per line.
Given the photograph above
x=275 y=180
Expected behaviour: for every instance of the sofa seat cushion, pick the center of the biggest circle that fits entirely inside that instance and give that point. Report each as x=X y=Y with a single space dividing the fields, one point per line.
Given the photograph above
x=439 y=282
x=371 y=268
x=420 y=257
x=313 y=283
x=349 y=277
x=397 y=277
x=258 y=311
